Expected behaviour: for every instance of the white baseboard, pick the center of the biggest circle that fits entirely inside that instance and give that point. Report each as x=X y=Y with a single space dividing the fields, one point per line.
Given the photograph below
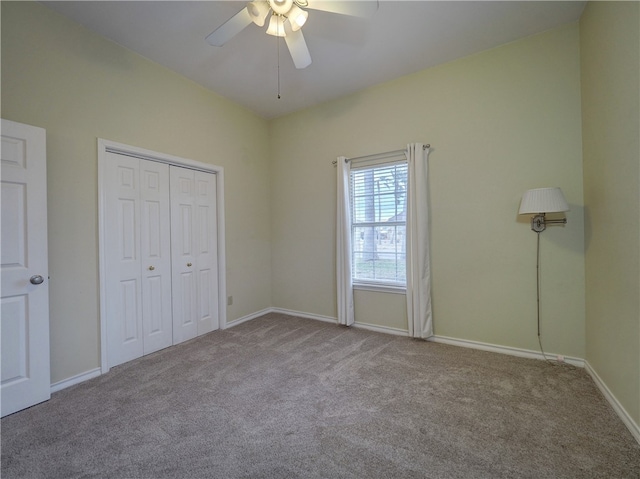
x=300 y=314
x=248 y=317
x=524 y=353
x=77 y=379
x=633 y=427
x=495 y=348
x=381 y=329
x=329 y=319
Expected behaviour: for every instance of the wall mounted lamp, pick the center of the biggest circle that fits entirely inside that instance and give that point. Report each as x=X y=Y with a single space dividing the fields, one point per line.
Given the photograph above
x=539 y=202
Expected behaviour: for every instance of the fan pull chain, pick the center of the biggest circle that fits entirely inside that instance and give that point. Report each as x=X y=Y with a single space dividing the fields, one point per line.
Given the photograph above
x=278 y=50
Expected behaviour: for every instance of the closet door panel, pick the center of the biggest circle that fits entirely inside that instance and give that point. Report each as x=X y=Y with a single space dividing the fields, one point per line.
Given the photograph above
x=206 y=264
x=155 y=251
x=122 y=265
x=183 y=257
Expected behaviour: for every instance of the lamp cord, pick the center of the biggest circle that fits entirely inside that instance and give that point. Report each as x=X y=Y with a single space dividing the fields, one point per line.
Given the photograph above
x=538 y=282
x=538 y=292
x=554 y=363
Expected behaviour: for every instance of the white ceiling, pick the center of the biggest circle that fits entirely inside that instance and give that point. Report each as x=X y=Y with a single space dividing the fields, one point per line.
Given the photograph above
x=348 y=53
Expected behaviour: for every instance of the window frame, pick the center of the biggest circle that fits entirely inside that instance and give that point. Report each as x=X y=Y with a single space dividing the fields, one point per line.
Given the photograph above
x=373 y=163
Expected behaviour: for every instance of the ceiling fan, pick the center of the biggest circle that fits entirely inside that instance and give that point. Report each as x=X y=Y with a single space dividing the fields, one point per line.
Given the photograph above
x=286 y=20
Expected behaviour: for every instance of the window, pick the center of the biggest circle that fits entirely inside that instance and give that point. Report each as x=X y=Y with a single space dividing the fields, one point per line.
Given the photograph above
x=378 y=223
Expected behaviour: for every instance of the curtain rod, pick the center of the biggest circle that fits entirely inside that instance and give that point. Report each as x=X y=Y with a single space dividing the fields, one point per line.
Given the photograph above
x=394 y=152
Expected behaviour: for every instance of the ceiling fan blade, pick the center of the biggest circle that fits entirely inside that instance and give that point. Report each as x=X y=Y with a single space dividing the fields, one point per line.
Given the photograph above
x=297 y=47
x=230 y=28
x=359 y=8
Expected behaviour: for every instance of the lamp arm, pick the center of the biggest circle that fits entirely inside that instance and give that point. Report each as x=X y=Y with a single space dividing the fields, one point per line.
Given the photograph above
x=562 y=221
x=539 y=222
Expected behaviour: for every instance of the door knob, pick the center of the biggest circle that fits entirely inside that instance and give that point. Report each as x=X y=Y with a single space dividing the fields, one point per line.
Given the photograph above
x=151 y=268
x=189 y=265
x=36 y=279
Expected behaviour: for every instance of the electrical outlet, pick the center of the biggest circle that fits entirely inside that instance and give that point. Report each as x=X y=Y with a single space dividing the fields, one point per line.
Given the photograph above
x=229 y=300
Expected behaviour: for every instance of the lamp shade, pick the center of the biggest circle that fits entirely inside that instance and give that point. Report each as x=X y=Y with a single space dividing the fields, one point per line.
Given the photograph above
x=297 y=17
x=543 y=200
x=276 y=26
x=258 y=11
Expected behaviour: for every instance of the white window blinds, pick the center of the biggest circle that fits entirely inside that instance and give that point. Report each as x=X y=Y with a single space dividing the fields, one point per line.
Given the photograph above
x=378 y=220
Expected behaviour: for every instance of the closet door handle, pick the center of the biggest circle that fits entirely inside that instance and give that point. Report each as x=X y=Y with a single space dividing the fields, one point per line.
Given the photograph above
x=189 y=265
x=151 y=268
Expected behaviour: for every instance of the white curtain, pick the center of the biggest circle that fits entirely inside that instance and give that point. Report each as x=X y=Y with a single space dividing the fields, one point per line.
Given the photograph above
x=343 y=245
x=418 y=267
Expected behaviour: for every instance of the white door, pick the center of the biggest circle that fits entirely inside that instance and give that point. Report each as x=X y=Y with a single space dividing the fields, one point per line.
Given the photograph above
x=137 y=257
x=207 y=252
x=155 y=252
x=194 y=253
x=25 y=282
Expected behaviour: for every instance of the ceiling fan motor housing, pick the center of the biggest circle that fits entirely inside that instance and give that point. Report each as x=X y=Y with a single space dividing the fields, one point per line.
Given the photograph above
x=281 y=7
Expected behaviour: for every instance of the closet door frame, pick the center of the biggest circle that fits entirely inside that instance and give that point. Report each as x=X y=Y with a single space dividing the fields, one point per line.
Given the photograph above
x=107 y=146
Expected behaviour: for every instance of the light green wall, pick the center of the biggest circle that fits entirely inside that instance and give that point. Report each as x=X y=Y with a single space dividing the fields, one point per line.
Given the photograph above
x=386 y=310
x=80 y=87
x=500 y=122
x=610 y=58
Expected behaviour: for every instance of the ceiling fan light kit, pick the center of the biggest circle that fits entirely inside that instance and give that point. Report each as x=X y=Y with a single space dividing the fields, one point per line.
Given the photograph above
x=297 y=17
x=287 y=19
x=276 y=26
x=258 y=12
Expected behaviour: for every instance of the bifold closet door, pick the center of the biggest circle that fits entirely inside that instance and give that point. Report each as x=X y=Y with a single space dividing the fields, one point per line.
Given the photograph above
x=137 y=257
x=194 y=253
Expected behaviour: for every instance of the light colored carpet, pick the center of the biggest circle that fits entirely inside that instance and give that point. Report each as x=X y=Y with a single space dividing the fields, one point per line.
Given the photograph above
x=284 y=397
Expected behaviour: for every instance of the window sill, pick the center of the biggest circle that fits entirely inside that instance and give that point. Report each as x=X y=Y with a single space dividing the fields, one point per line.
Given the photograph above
x=380 y=288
